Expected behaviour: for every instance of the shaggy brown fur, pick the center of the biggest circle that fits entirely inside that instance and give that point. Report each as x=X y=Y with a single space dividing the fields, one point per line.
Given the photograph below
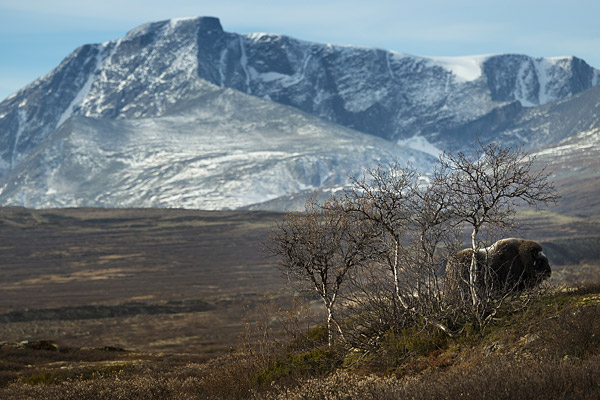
x=513 y=264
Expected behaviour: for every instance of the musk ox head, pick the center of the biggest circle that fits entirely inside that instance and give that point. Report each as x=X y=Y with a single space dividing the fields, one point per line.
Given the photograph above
x=508 y=264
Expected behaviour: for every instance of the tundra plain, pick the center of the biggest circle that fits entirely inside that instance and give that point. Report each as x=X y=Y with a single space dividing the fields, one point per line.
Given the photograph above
x=179 y=281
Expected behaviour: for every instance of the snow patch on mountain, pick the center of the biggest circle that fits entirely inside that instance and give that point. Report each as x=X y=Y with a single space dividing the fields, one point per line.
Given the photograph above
x=366 y=99
x=244 y=64
x=174 y=22
x=465 y=69
x=421 y=144
x=546 y=70
x=527 y=86
x=21 y=120
x=578 y=144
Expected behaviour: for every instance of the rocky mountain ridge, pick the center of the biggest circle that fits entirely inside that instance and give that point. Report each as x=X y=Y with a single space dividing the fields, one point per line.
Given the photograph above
x=159 y=66
x=162 y=70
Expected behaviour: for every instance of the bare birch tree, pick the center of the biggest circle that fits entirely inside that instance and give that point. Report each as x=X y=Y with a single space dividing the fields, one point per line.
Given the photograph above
x=487 y=185
x=382 y=199
x=317 y=248
x=414 y=235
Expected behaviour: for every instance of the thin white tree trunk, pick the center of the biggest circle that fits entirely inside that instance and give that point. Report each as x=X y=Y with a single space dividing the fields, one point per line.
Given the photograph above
x=329 y=327
x=473 y=273
x=396 y=277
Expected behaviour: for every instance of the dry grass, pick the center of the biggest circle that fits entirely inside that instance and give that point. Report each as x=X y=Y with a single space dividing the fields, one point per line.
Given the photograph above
x=75 y=273
x=497 y=377
x=490 y=378
x=551 y=350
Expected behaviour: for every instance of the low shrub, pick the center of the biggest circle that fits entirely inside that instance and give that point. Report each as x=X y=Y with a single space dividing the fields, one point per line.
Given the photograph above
x=316 y=362
x=83 y=374
x=482 y=378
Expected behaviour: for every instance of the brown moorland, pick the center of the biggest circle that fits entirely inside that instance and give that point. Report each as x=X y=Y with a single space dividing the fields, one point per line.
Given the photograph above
x=177 y=280
x=172 y=286
x=145 y=279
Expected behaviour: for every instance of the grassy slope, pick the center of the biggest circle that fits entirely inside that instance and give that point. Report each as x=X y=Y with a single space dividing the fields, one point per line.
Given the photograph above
x=551 y=350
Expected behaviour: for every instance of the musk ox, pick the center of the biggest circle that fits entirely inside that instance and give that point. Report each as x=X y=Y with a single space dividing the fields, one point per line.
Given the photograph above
x=514 y=264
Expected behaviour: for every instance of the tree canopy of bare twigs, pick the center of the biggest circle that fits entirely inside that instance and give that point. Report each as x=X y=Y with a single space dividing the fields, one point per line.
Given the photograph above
x=413 y=237
x=487 y=185
x=317 y=249
x=383 y=245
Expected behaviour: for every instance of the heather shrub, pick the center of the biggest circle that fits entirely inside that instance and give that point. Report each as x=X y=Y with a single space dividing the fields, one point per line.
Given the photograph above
x=481 y=378
x=316 y=362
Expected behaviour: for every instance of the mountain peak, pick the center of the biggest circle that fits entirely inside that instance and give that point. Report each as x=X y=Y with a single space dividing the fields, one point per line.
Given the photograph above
x=202 y=24
x=207 y=24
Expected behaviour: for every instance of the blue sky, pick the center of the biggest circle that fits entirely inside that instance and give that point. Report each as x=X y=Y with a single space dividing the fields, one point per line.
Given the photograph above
x=35 y=35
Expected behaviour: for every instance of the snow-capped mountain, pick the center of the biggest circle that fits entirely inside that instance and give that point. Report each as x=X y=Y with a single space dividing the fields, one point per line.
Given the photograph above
x=159 y=66
x=227 y=151
x=162 y=86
